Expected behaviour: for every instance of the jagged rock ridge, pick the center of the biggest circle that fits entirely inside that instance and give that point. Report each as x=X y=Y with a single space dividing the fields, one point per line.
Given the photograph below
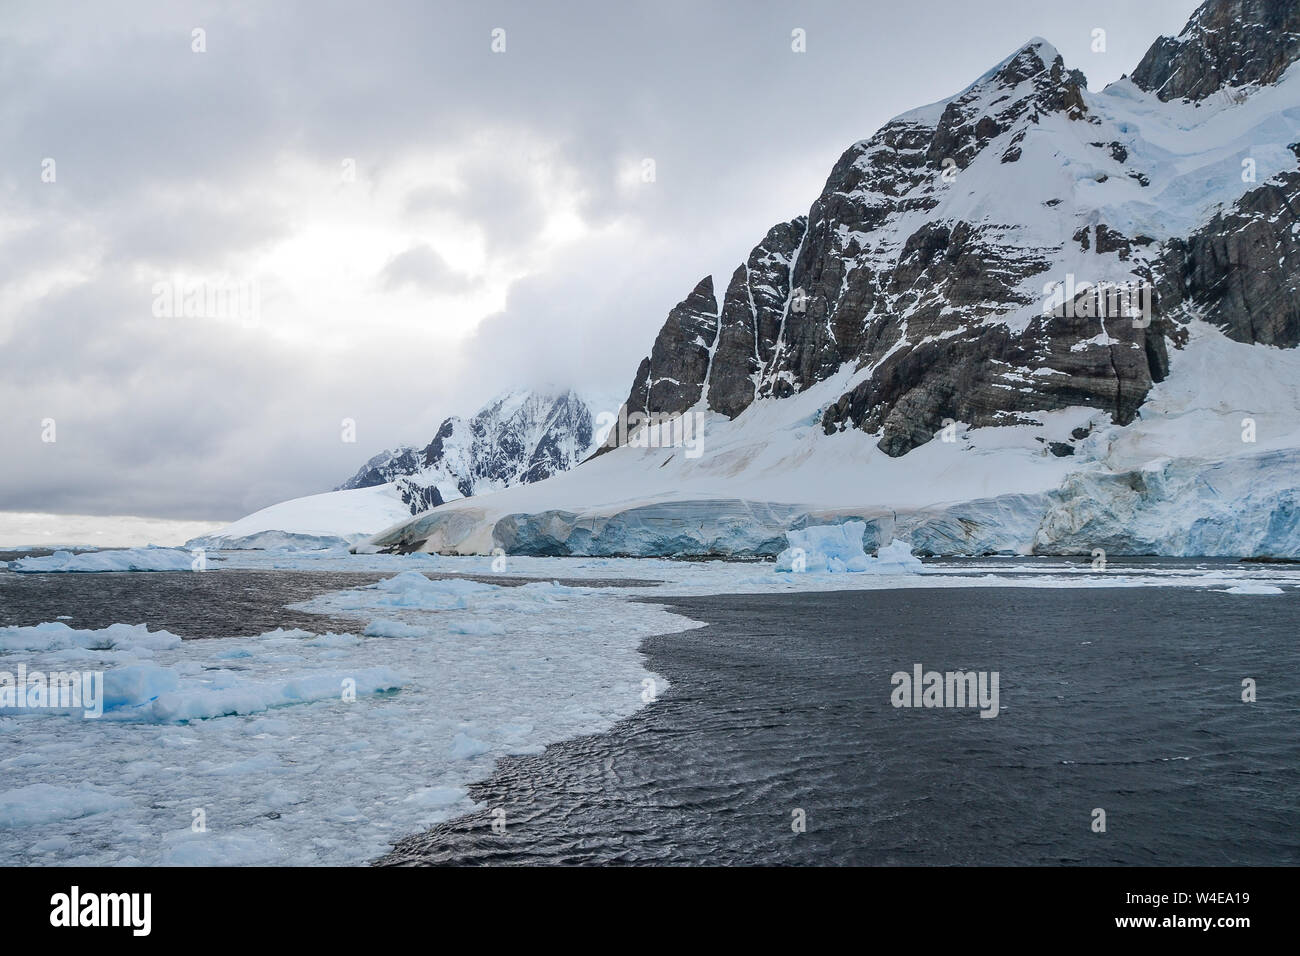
x=934 y=291
x=518 y=438
x=1226 y=44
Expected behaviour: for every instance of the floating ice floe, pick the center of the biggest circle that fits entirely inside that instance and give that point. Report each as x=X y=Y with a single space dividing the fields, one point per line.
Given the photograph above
x=411 y=589
x=137 y=688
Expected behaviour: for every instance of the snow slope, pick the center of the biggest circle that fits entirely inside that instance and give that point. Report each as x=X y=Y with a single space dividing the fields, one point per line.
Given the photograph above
x=521 y=436
x=989 y=490
x=330 y=520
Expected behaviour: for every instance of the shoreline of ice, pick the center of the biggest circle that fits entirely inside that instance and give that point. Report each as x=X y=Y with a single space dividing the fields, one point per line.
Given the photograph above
x=255 y=732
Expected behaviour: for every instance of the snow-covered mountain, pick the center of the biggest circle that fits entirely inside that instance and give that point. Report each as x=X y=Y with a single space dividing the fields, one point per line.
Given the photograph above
x=385 y=467
x=517 y=438
x=523 y=436
x=1028 y=317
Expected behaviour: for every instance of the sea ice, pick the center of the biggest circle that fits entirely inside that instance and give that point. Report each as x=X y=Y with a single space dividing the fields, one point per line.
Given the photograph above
x=41 y=803
x=245 y=750
x=125 y=559
x=1253 y=589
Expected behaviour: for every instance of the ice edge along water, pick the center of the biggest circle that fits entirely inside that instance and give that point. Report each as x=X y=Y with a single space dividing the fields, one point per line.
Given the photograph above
x=254 y=737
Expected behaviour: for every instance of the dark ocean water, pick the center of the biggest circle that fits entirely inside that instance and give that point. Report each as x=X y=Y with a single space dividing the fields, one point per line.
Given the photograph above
x=1127 y=700
x=225 y=603
x=1124 y=699
x=212 y=604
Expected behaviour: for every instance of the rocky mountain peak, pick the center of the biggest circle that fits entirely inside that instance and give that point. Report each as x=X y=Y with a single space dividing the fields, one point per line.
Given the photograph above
x=1038 y=63
x=1226 y=44
x=673 y=374
x=921 y=272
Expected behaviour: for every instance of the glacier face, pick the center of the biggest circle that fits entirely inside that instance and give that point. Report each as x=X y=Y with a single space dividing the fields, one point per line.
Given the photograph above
x=1209 y=467
x=689 y=529
x=1244 y=506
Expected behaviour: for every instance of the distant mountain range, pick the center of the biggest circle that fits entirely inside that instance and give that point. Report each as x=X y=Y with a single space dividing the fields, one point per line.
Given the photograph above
x=517 y=438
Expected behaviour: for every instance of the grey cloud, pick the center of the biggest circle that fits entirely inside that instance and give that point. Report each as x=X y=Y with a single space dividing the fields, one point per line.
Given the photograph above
x=420 y=267
x=165 y=159
x=495 y=196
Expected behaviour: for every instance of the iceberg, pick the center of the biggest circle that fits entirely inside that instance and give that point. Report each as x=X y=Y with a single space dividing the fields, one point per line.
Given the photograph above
x=838 y=548
x=125 y=559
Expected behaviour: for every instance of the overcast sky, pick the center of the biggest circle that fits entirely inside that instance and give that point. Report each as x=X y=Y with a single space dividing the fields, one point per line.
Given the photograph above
x=423 y=221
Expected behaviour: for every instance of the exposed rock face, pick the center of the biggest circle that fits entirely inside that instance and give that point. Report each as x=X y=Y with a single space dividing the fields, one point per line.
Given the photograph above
x=418 y=497
x=383 y=468
x=1240 y=271
x=963 y=378
x=672 y=376
x=517 y=438
x=936 y=292
x=751 y=322
x=1226 y=44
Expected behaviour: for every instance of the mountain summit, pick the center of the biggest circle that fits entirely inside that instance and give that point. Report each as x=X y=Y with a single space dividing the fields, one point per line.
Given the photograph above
x=517 y=438
x=924 y=262
x=520 y=437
